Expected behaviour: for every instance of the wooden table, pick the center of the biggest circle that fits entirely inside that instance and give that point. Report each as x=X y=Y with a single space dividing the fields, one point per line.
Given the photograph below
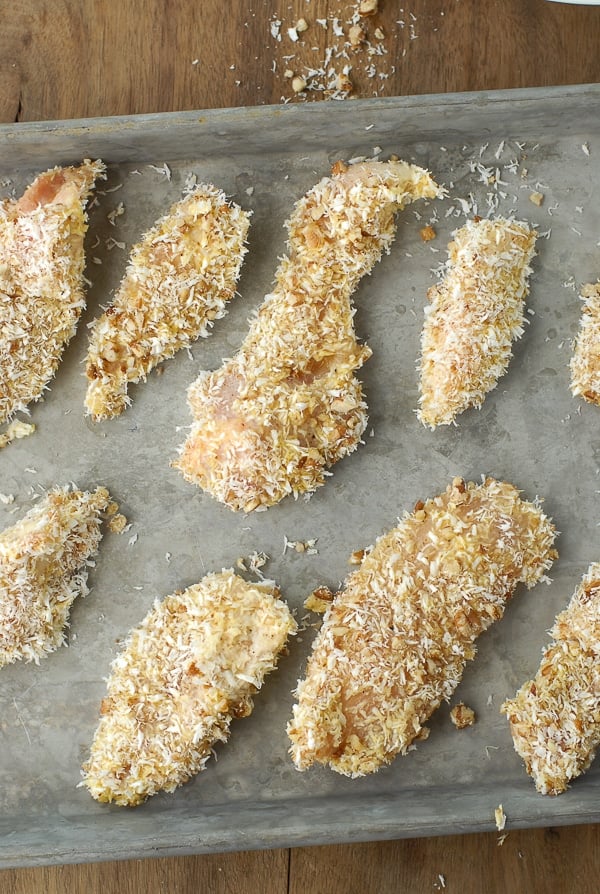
x=78 y=58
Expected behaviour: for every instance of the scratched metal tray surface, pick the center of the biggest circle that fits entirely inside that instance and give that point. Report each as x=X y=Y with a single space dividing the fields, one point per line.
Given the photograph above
x=491 y=151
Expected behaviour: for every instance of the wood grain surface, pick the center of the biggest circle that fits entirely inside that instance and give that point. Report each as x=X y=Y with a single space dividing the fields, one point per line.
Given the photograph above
x=77 y=58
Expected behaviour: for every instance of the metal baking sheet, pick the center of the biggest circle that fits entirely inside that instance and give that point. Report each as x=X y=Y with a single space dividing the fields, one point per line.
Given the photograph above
x=491 y=150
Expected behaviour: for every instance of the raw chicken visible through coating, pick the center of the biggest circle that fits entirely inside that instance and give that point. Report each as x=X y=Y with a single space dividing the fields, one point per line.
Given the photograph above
x=192 y=666
x=43 y=568
x=395 y=641
x=585 y=363
x=41 y=280
x=473 y=317
x=179 y=279
x=555 y=718
x=271 y=420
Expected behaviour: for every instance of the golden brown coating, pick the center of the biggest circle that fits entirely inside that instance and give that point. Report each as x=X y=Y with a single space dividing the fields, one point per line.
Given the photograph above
x=178 y=281
x=41 y=279
x=192 y=666
x=474 y=315
x=395 y=641
x=43 y=568
x=585 y=363
x=555 y=718
x=287 y=406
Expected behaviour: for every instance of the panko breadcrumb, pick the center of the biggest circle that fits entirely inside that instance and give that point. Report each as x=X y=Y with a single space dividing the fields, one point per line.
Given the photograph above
x=555 y=718
x=462 y=716
x=273 y=419
x=319 y=600
x=473 y=316
x=192 y=666
x=178 y=281
x=15 y=432
x=585 y=363
x=395 y=641
x=43 y=568
x=41 y=280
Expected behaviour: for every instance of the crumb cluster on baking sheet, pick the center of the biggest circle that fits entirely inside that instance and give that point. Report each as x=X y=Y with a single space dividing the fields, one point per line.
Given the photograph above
x=532 y=430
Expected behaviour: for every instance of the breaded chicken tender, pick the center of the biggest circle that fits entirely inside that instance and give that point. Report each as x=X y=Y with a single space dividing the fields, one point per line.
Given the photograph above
x=395 y=641
x=555 y=718
x=178 y=281
x=190 y=668
x=473 y=316
x=41 y=280
x=273 y=419
x=43 y=568
x=585 y=363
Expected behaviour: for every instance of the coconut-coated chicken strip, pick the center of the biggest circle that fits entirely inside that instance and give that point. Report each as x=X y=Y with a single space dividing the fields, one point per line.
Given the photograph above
x=585 y=363
x=473 y=316
x=190 y=668
x=43 y=568
x=395 y=641
x=178 y=281
x=555 y=718
x=273 y=419
x=41 y=279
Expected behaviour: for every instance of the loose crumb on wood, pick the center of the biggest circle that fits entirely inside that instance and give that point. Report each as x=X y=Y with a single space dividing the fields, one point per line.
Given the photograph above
x=368 y=7
x=299 y=84
x=355 y=58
